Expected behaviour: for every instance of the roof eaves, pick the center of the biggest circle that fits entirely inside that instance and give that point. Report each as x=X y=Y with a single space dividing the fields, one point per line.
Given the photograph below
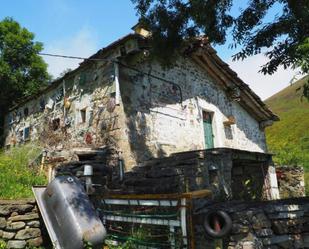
x=225 y=68
x=58 y=81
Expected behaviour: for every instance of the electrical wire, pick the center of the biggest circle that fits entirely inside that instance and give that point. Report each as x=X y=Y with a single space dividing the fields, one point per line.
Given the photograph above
x=121 y=64
x=75 y=57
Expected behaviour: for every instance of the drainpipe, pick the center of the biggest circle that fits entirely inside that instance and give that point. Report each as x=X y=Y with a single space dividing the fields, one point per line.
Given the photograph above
x=121 y=167
x=64 y=93
x=117 y=85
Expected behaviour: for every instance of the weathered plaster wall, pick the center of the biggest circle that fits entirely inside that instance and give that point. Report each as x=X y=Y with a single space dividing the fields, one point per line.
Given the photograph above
x=153 y=117
x=159 y=122
x=80 y=112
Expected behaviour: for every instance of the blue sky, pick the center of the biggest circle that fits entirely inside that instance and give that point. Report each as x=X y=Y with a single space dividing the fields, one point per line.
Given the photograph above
x=80 y=28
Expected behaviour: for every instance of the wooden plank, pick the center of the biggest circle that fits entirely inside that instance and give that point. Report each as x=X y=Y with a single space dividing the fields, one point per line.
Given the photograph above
x=190 y=195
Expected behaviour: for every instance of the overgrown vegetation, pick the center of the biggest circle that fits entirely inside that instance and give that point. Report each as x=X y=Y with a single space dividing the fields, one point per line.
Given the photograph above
x=307 y=182
x=22 y=71
x=289 y=138
x=284 y=38
x=3 y=245
x=16 y=176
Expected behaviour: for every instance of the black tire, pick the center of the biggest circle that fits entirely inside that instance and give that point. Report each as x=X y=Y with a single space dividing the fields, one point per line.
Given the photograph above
x=224 y=220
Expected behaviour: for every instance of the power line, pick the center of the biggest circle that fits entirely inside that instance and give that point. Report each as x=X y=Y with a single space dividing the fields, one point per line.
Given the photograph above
x=74 y=57
x=121 y=64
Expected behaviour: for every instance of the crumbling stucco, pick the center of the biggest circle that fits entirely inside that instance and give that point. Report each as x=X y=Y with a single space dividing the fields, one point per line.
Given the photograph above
x=149 y=117
x=161 y=119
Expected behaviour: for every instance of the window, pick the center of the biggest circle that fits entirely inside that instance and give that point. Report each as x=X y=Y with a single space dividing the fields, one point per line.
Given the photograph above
x=42 y=104
x=21 y=135
x=83 y=115
x=56 y=124
x=26 y=112
x=26 y=133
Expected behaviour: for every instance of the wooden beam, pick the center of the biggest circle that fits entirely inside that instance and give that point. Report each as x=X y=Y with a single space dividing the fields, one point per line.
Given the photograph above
x=189 y=195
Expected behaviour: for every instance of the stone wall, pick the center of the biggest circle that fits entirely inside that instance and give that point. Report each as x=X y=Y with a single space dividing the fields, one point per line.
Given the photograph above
x=291 y=181
x=228 y=173
x=20 y=224
x=259 y=225
x=78 y=112
x=163 y=118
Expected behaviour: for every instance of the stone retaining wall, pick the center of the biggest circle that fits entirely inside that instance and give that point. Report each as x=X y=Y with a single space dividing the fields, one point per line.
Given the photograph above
x=291 y=181
x=261 y=225
x=20 y=224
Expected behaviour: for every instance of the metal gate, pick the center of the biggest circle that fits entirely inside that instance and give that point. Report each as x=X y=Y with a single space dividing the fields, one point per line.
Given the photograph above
x=150 y=220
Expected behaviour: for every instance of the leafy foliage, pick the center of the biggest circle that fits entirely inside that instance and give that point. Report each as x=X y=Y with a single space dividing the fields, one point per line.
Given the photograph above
x=285 y=39
x=16 y=177
x=22 y=71
x=307 y=182
x=2 y=244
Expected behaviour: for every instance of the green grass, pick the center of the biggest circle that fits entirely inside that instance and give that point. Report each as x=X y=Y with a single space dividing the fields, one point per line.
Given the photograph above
x=307 y=182
x=16 y=177
x=288 y=139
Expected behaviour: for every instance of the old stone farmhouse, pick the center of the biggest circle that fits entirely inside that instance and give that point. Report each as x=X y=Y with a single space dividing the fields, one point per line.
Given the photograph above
x=122 y=98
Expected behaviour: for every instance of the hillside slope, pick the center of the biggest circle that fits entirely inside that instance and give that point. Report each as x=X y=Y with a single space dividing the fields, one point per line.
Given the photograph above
x=289 y=138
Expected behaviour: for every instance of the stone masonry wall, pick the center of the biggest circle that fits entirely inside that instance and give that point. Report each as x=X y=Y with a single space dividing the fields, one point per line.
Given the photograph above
x=291 y=181
x=101 y=104
x=259 y=225
x=164 y=118
x=20 y=224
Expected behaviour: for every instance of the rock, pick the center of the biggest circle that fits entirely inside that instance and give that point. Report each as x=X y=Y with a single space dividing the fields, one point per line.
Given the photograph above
x=35 y=209
x=248 y=245
x=14 y=226
x=306 y=240
x=287 y=215
x=284 y=241
x=34 y=223
x=298 y=241
x=28 y=233
x=283 y=208
x=237 y=237
x=16 y=244
x=1 y=232
x=30 y=216
x=8 y=235
x=265 y=232
x=14 y=214
x=35 y=242
x=260 y=221
x=4 y=210
x=2 y=223
x=7 y=209
x=287 y=226
x=238 y=228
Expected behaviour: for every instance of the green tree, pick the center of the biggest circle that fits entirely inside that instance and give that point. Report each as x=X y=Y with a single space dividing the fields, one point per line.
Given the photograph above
x=284 y=40
x=22 y=71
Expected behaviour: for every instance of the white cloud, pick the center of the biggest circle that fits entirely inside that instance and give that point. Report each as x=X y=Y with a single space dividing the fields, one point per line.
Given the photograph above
x=82 y=44
x=263 y=85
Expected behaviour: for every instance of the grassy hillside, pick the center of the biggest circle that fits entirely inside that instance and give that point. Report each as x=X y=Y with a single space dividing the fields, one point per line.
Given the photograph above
x=289 y=138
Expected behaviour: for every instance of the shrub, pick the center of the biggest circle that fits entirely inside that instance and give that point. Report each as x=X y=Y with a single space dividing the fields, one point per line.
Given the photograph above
x=16 y=176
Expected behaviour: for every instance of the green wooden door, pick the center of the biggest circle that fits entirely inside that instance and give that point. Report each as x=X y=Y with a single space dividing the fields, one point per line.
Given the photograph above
x=208 y=133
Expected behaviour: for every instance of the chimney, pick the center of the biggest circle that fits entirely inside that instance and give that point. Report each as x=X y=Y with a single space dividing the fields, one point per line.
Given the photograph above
x=139 y=29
